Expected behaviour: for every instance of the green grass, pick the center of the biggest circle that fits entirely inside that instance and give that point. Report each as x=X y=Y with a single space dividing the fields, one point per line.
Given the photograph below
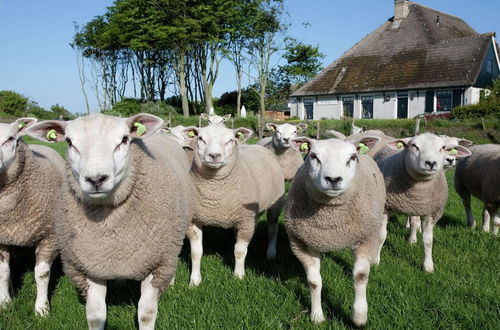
x=463 y=293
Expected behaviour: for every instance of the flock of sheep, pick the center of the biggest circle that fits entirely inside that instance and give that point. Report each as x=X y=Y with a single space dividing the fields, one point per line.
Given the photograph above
x=130 y=191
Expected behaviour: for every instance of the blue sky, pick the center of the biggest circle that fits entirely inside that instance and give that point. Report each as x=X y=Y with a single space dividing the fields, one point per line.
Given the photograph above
x=37 y=61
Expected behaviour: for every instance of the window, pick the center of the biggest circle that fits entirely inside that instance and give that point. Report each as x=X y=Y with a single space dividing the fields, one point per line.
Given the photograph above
x=309 y=107
x=367 y=107
x=348 y=106
x=443 y=100
x=489 y=66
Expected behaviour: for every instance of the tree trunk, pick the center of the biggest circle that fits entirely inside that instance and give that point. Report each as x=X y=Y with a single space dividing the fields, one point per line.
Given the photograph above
x=182 y=85
x=238 y=95
x=208 y=96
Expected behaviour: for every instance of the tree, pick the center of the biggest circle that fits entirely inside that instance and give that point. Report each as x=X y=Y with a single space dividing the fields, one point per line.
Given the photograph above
x=60 y=112
x=303 y=62
x=13 y=104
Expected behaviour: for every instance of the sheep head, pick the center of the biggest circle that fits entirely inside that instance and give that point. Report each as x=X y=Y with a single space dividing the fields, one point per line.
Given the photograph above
x=9 y=135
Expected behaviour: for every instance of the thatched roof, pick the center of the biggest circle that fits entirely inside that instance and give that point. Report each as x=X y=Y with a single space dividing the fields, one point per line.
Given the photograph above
x=423 y=52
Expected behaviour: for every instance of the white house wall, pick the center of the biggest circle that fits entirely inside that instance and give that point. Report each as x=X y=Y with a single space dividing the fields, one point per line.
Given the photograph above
x=472 y=95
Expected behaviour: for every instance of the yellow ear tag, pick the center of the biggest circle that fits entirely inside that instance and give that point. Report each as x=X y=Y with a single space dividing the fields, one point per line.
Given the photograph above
x=240 y=136
x=400 y=145
x=141 y=129
x=453 y=152
x=304 y=146
x=51 y=135
x=21 y=125
x=191 y=134
x=363 y=148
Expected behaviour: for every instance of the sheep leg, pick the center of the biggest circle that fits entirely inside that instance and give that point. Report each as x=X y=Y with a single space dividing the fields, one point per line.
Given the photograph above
x=4 y=275
x=414 y=224
x=427 y=237
x=195 y=236
x=486 y=219
x=468 y=211
x=148 y=304
x=96 y=304
x=496 y=223
x=272 y=228
x=45 y=254
x=360 y=273
x=383 y=236
x=243 y=238
x=311 y=262
x=492 y=210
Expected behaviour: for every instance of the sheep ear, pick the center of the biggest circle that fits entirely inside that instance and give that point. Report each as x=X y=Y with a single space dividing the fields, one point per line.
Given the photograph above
x=398 y=144
x=363 y=129
x=167 y=130
x=48 y=131
x=242 y=134
x=271 y=126
x=458 y=151
x=204 y=116
x=143 y=125
x=301 y=126
x=22 y=124
x=336 y=134
x=302 y=144
x=226 y=117
x=191 y=132
x=465 y=143
x=365 y=144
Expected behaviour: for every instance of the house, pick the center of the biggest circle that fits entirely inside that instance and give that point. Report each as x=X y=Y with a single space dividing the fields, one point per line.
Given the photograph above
x=419 y=61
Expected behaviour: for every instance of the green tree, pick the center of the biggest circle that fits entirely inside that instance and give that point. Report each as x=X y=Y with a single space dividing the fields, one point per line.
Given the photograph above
x=60 y=112
x=303 y=62
x=13 y=104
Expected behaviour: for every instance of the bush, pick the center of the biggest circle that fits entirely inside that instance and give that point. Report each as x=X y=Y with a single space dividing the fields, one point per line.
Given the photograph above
x=487 y=109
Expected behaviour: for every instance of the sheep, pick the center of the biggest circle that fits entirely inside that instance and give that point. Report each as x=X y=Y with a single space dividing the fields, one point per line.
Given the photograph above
x=356 y=129
x=336 y=201
x=479 y=175
x=357 y=137
x=279 y=144
x=126 y=207
x=214 y=119
x=30 y=180
x=416 y=183
x=233 y=185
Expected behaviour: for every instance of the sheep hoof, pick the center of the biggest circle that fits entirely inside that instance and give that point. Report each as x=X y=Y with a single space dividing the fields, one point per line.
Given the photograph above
x=195 y=281
x=412 y=240
x=239 y=274
x=429 y=267
x=4 y=301
x=42 y=309
x=317 y=316
x=271 y=255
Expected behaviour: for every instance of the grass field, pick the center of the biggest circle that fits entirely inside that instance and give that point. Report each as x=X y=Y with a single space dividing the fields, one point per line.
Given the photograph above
x=463 y=293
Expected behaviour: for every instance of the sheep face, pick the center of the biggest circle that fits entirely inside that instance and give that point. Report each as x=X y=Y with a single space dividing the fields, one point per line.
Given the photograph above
x=215 y=120
x=98 y=148
x=284 y=133
x=426 y=154
x=177 y=133
x=9 y=135
x=450 y=160
x=215 y=144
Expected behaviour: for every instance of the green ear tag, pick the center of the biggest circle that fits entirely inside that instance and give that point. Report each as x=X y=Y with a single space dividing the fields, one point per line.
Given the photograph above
x=21 y=125
x=51 y=135
x=191 y=134
x=453 y=152
x=304 y=146
x=400 y=145
x=240 y=136
x=363 y=148
x=141 y=129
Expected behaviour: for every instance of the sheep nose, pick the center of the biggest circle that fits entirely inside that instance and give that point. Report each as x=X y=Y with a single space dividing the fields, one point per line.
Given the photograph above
x=215 y=156
x=286 y=140
x=450 y=161
x=96 y=180
x=431 y=164
x=333 y=181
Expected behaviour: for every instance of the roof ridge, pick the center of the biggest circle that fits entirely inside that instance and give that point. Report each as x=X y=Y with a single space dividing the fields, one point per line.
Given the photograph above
x=480 y=36
x=435 y=10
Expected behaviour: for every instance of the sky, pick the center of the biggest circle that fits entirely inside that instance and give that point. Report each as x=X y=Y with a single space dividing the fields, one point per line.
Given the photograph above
x=37 y=61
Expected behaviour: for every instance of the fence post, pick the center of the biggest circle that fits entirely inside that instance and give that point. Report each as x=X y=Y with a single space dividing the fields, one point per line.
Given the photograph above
x=199 y=121
x=317 y=130
x=482 y=122
x=232 y=123
x=417 y=127
x=260 y=132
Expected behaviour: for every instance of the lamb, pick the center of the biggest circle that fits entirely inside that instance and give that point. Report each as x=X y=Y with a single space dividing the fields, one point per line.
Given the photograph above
x=336 y=201
x=279 y=144
x=214 y=119
x=479 y=175
x=357 y=137
x=233 y=185
x=415 y=181
x=30 y=181
x=126 y=207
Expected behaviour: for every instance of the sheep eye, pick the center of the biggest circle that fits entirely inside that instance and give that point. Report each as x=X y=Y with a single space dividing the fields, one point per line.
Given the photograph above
x=353 y=158
x=11 y=138
x=125 y=140
x=201 y=139
x=68 y=141
x=415 y=146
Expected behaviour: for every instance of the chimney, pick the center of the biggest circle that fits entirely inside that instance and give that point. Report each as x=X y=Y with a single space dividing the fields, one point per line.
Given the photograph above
x=401 y=10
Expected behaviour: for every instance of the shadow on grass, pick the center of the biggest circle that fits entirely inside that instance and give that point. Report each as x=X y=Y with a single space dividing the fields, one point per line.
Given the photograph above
x=449 y=221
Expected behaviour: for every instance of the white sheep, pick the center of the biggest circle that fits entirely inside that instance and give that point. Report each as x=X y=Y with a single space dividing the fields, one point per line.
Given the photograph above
x=215 y=119
x=336 y=201
x=479 y=175
x=415 y=181
x=356 y=138
x=30 y=181
x=233 y=185
x=125 y=209
x=356 y=129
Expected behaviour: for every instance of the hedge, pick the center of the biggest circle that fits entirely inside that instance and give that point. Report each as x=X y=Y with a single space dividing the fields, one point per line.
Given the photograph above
x=485 y=110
